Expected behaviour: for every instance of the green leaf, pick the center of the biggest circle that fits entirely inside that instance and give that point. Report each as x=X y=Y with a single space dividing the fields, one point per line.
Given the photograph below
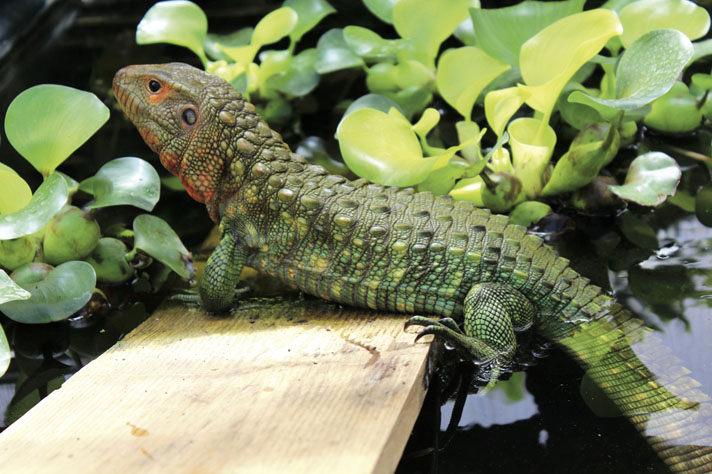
x=532 y=142
x=469 y=189
x=426 y=24
x=651 y=178
x=47 y=200
x=309 y=14
x=272 y=63
x=333 y=53
x=46 y=123
x=16 y=193
x=176 y=22
x=640 y=79
x=382 y=148
x=638 y=231
x=383 y=9
x=368 y=44
x=124 y=181
x=529 y=212
x=442 y=180
x=240 y=37
x=5 y=353
x=594 y=147
x=274 y=26
x=462 y=75
x=575 y=40
x=501 y=32
x=11 y=291
x=155 y=237
x=639 y=18
x=65 y=290
x=372 y=101
x=501 y=104
x=301 y=77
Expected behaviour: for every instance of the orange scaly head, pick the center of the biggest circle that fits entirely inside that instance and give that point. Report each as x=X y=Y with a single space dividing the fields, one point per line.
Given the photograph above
x=190 y=118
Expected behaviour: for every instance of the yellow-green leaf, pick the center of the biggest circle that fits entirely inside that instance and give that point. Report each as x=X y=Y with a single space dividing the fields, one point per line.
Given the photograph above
x=463 y=73
x=16 y=193
x=641 y=17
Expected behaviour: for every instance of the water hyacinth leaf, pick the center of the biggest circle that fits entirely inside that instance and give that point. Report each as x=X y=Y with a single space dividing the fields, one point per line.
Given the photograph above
x=46 y=123
x=46 y=201
x=16 y=193
x=426 y=24
x=5 y=353
x=701 y=49
x=176 y=22
x=472 y=153
x=240 y=37
x=333 y=53
x=529 y=212
x=11 y=291
x=411 y=100
x=369 y=44
x=639 y=18
x=501 y=104
x=272 y=63
x=427 y=122
x=309 y=14
x=155 y=237
x=651 y=178
x=274 y=26
x=382 y=148
x=502 y=191
x=639 y=80
x=576 y=39
x=314 y=149
x=676 y=111
x=300 y=78
x=372 y=101
x=124 y=181
x=65 y=290
x=463 y=73
x=532 y=142
x=442 y=180
x=501 y=32
x=383 y=9
x=593 y=148
x=469 y=189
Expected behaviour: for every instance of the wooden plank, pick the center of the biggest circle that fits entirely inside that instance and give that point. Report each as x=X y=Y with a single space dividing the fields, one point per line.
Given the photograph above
x=301 y=386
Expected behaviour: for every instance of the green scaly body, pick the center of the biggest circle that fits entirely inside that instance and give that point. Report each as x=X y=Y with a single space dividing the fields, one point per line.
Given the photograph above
x=394 y=249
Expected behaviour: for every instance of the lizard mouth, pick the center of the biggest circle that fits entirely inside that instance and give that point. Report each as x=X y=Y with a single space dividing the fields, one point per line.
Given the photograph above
x=122 y=90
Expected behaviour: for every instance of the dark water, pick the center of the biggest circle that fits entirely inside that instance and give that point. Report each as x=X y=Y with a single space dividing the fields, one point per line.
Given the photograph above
x=537 y=421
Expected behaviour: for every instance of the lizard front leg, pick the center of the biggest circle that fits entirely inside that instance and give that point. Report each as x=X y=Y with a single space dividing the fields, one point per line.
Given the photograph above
x=222 y=270
x=492 y=314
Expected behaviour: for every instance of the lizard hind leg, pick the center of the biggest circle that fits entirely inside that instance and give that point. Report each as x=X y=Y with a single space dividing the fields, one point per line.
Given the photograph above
x=492 y=314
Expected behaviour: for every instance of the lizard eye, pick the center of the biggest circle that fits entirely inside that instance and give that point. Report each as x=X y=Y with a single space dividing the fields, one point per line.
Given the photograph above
x=189 y=116
x=154 y=85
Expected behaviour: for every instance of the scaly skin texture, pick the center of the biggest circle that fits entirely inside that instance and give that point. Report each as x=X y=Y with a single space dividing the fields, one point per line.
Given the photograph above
x=397 y=250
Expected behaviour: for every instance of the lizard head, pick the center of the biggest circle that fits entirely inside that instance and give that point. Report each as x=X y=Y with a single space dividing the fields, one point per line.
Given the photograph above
x=182 y=113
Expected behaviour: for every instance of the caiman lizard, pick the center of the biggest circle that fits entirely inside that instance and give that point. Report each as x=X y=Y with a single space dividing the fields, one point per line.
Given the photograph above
x=398 y=250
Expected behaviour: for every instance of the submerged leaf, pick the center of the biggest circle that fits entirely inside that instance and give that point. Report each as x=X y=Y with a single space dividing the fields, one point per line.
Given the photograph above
x=651 y=178
x=46 y=123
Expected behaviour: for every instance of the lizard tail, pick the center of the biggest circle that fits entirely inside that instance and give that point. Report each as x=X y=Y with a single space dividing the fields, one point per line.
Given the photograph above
x=647 y=384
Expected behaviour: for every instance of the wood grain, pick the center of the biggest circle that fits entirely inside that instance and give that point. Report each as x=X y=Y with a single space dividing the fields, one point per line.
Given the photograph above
x=300 y=386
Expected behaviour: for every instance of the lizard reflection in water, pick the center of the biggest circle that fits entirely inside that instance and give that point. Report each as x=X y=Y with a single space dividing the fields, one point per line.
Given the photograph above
x=393 y=249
